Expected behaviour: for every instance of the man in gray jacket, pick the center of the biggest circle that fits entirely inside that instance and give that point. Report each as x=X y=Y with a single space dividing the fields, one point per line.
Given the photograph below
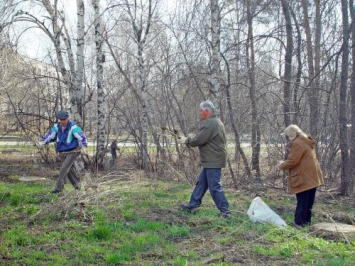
x=211 y=141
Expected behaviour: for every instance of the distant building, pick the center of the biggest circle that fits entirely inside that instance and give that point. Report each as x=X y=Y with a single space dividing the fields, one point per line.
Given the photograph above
x=31 y=91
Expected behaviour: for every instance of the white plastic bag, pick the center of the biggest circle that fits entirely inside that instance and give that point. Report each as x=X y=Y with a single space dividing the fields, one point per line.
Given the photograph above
x=260 y=212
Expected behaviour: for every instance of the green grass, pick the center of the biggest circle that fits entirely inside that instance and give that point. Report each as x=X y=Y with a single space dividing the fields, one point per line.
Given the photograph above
x=144 y=227
x=290 y=243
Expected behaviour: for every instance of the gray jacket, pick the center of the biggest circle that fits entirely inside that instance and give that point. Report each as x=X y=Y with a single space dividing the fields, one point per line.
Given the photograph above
x=211 y=141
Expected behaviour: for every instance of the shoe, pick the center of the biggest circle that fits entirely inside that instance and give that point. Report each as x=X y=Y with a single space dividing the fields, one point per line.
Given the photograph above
x=55 y=191
x=186 y=207
x=225 y=214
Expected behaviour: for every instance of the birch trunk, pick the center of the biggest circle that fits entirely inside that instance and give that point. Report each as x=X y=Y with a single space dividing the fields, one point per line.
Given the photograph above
x=101 y=118
x=140 y=34
x=60 y=32
x=345 y=178
x=215 y=62
x=78 y=91
x=53 y=12
x=255 y=131
x=145 y=126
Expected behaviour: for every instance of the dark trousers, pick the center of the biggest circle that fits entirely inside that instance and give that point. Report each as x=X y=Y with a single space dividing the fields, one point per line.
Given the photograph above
x=67 y=170
x=113 y=157
x=209 y=178
x=305 y=201
x=114 y=154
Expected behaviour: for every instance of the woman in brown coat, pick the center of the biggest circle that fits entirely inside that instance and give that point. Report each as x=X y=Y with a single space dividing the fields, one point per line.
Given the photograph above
x=305 y=174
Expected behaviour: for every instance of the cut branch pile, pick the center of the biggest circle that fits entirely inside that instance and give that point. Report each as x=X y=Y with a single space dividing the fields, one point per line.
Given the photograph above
x=94 y=192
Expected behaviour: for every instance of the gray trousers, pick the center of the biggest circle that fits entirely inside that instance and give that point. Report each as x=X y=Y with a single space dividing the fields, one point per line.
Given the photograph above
x=67 y=170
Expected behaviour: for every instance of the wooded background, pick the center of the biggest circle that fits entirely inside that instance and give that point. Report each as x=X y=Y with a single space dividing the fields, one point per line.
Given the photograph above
x=135 y=70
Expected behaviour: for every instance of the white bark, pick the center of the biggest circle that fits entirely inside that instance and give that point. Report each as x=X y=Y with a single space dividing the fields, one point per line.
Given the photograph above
x=78 y=91
x=60 y=33
x=100 y=88
x=216 y=58
x=141 y=35
x=52 y=10
x=145 y=126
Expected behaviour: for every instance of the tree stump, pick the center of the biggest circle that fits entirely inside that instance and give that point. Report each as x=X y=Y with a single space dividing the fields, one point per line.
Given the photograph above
x=334 y=231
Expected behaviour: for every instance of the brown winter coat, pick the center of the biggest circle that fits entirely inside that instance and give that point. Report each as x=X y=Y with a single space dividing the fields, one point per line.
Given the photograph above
x=304 y=169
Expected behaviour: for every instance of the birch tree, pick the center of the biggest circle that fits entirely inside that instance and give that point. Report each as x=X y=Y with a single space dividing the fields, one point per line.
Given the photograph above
x=215 y=60
x=101 y=106
x=77 y=98
x=58 y=33
x=141 y=24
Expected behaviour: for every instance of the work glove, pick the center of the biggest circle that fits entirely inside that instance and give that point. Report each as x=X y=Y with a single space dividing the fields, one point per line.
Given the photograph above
x=40 y=144
x=182 y=140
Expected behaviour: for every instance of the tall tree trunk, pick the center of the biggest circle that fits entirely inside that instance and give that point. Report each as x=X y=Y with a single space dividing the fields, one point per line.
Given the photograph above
x=53 y=12
x=215 y=45
x=352 y=91
x=287 y=77
x=60 y=32
x=345 y=177
x=144 y=118
x=140 y=35
x=288 y=64
x=299 y=69
x=255 y=130
x=238 y=146
x=78 y=92
x=313 y=91
x=317 y=57
x=101 y=117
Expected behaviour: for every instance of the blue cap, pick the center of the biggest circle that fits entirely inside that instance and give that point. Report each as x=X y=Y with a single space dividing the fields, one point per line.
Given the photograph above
x=62 y=114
